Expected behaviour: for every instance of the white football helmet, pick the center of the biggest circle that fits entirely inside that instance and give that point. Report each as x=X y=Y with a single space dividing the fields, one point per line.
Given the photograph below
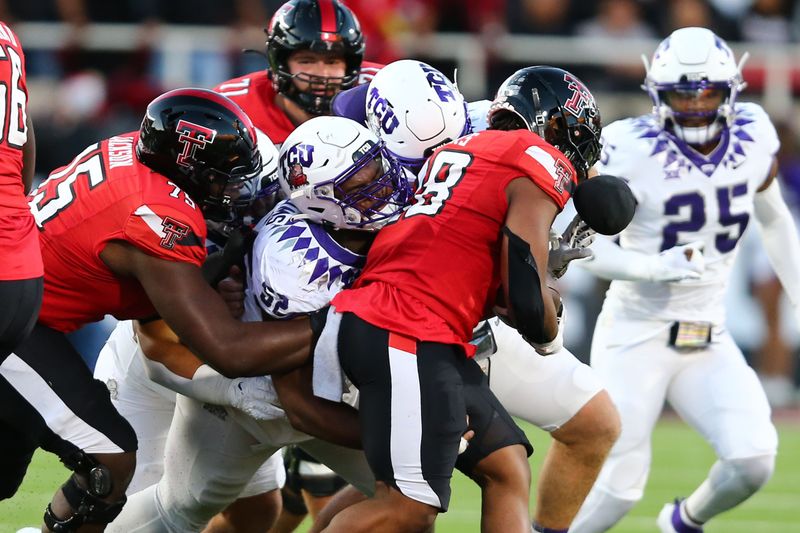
x=318 y=159
x=689 y=62
x=415 y=109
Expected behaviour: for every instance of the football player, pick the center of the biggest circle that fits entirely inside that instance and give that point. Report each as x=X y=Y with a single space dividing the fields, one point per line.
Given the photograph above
x=121 y=230
x=701 y=165
x=557 y=393
x=315 y=49
x=20 y=259
x=341 y=183
x=405 y=326
x=138 y=365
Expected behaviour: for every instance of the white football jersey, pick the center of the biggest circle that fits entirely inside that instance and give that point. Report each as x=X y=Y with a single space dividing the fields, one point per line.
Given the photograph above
x=684 y=196
x=295 y=267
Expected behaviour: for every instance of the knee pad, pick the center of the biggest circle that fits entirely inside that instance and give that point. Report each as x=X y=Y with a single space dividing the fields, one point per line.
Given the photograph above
x=87 y=505
x=742 y=476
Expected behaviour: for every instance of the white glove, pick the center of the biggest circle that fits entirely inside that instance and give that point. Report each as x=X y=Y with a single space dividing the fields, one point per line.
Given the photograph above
x=571 y=245
x=678 y=263
x=256 y=397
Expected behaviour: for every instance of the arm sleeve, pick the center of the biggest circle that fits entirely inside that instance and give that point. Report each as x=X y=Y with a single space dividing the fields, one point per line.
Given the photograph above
x=610 y=261
x=779 y=235
x=207 y=385
x=167 y=233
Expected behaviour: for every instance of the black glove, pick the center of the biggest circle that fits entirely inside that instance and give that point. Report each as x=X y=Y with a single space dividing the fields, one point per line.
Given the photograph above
x=218 y=264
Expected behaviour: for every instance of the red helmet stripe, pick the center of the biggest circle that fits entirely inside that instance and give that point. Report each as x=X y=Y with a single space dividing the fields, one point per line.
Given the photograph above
x=327 y=16
x=214 y=97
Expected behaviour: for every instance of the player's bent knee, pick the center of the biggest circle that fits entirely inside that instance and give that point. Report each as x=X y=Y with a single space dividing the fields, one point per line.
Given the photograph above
x=507 y=466
x=596 y=424
x=749 y=473
x=87 y=503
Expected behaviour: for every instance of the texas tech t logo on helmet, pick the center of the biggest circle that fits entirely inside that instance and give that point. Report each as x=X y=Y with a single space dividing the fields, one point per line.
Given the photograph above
x=581 y=97
x=192 y=136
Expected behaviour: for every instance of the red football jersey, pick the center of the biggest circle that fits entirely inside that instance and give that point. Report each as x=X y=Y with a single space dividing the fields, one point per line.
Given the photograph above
x=105 y=194
x=19 y=242
x=432 y=274
x=256 y=96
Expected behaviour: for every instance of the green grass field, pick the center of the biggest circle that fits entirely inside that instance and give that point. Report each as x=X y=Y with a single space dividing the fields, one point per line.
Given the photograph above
x=680 y=461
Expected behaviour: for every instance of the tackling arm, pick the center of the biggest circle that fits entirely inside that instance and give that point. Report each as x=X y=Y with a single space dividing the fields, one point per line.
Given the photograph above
x=200 y=318
x=171 y=364
x=779 y=235
x=532 y=305
x=610 y=261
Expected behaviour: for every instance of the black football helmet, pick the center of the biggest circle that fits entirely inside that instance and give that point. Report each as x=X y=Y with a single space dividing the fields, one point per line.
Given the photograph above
x=206 y=145
x=325 y=26
x=558 y=107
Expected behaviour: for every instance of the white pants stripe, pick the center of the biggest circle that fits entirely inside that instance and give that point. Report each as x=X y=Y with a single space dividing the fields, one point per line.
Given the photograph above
x=406 y=445
x=56 y=414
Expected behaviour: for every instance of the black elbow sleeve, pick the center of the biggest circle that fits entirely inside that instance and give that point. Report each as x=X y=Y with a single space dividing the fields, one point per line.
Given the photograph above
x=525 y=290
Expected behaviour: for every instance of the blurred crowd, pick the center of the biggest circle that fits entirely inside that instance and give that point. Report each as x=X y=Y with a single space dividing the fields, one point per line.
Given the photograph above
x=92 y=94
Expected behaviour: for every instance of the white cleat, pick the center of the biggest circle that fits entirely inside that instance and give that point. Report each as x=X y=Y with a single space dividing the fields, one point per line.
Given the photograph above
x=29 y=530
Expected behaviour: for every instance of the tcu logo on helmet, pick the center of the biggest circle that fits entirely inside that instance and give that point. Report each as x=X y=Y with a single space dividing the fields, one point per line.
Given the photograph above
x=581 y=97
x=382 y=111
x=439 y=84
x=297 y=178
x=193 y=136
x=298 y=157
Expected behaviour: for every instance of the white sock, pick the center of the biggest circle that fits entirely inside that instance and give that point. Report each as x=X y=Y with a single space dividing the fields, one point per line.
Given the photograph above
x=729 y=483
x=599 y=512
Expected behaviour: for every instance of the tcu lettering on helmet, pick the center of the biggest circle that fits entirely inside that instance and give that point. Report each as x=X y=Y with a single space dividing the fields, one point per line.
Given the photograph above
x=439 y=83
x=206 y=145
x=302 y=154
x=319 y=160
x=192 y=136
x=415 y=109
x=382 y=111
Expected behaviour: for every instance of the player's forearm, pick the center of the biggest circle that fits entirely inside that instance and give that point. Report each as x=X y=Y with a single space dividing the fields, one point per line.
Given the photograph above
x=260 y=348
x=780 y=238
x=610 y=261
x=331 y=421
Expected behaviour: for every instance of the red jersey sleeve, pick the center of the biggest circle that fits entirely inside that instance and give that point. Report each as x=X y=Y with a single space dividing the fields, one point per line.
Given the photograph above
x=167 y=232
x=547 y=167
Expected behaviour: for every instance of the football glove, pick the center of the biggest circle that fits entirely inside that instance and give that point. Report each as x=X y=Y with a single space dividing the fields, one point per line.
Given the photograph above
x=678 y=263
x=256 y=397
x=571 y=245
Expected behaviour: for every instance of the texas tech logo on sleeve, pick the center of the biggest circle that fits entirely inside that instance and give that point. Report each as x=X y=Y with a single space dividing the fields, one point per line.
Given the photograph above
x=173 y=232
x=193 y=137
x=581 y=97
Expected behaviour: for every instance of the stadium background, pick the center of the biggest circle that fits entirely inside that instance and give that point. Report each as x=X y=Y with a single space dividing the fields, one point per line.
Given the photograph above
x=93 y=65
